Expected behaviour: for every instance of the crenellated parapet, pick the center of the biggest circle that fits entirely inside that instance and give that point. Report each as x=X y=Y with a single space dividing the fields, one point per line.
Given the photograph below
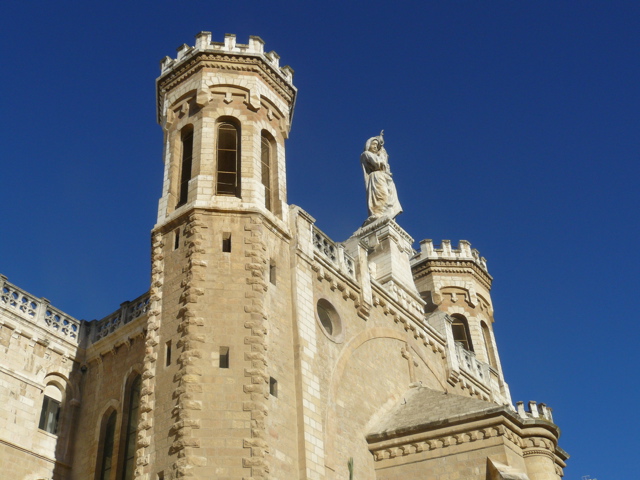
x=231 y=56
x=464 y=252
x=535 y=411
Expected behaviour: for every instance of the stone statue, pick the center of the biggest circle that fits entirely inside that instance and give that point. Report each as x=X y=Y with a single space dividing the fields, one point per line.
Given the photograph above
x=382 y=198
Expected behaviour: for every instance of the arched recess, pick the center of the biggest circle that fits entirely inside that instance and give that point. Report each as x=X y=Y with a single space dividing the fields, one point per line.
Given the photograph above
x=488 y=345
x=107 y=434
x=376 y=333
x=67 y=414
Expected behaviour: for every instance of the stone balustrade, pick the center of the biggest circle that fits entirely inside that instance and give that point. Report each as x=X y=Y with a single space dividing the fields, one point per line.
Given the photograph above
x=445 y=251
x=127 y=312
x=470 y=364
x=334 y=253
x=536 y=410
x=38 y=311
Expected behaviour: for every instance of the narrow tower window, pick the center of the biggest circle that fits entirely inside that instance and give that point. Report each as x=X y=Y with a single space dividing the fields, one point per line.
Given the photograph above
x=176 y=239
x=224 y=357
x=132 y=426
x=226 y=242
x=460 y=329
x=228 y=178
x=272 y=272
x=273 y=386
x=266 y=170
x=167 y=353
x=187 y=162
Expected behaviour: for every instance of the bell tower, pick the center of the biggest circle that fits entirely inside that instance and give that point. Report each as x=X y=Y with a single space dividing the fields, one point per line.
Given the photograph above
x=218 y=370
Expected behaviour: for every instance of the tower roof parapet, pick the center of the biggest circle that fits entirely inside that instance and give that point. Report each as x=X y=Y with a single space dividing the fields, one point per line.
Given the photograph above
x=429 y=251
x=255 y=47
x=536 y=410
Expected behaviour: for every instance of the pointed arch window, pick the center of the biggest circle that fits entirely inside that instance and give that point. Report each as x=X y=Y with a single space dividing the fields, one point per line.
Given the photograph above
x=105 y=456
x=460 y=330
x=228 y=159
x=186 y=167
x=129 y=431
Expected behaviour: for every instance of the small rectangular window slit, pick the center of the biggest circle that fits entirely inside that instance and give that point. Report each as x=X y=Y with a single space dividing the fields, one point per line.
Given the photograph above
x=273 y=387
x=167 y=353
x=176 y=239
x=224 y=357
x=272 y=272
x=226 y=242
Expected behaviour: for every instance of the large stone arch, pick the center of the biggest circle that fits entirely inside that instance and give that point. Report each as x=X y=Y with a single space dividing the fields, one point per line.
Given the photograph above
x=385 y=401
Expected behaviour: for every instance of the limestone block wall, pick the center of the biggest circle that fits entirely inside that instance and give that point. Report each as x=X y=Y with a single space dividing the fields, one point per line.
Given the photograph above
x=225 y=314
x=108 y=369
x=38 y=349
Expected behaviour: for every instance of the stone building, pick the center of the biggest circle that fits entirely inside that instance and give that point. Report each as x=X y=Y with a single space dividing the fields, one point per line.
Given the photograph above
x=265 y=349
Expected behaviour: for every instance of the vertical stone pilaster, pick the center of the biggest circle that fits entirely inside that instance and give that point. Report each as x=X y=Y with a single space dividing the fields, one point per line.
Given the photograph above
x=145 y=422
x=257 y=386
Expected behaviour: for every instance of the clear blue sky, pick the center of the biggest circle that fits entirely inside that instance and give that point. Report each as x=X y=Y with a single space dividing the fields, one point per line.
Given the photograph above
x=514 y=125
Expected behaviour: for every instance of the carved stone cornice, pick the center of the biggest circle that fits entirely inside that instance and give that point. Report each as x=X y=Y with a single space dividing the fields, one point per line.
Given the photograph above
x=225 y=61
x=451 y=267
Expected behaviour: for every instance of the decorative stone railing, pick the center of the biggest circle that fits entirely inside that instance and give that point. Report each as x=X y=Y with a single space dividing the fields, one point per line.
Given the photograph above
x=38 y=311
x=470 y=364
x=536 y=410
x=334 y=253
x=127 y=312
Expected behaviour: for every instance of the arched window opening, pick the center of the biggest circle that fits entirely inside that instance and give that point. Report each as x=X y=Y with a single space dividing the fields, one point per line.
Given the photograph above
x=51 y=406
x=186 y=164
x=105 y=456
x=488 y=345
x=267 y=161
x=228 y=174
x=460 y=329
x=129 y=432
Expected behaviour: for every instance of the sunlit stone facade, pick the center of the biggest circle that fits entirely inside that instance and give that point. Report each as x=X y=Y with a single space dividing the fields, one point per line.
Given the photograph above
x=263 y=348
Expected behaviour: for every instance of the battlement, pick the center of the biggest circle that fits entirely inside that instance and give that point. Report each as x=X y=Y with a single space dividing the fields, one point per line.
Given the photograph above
x=255 y=47
x=536 y=410
x=428 y=251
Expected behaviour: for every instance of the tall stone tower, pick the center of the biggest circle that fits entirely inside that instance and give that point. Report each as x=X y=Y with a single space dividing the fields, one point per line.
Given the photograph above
x=220 y=253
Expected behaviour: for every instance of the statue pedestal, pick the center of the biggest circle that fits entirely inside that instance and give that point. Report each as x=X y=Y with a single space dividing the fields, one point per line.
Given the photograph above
x=389 y=251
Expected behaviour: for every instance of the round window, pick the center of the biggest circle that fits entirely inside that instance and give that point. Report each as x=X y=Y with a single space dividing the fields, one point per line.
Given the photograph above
x=329 y=319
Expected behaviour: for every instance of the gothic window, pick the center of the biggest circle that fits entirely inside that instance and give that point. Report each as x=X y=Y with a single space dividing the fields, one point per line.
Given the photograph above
x=266 y=158
x=129 y=432
x=105 y=454
x=228 y=153
x=460 y=329
x=186 y=164
x=488 y=345
x=50 y=413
